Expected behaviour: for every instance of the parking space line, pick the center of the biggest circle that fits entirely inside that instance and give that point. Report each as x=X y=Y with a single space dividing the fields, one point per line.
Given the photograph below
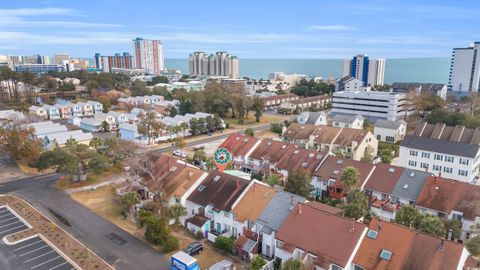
x=17 y=249
x=40 y=256
x=28 y=252
x=45 y=262
x=13 y=217
x=9 y=224
x=65 y=262
x=23 y=225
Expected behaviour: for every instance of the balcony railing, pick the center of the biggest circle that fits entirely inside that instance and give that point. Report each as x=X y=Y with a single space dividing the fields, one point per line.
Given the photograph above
x=386 y=205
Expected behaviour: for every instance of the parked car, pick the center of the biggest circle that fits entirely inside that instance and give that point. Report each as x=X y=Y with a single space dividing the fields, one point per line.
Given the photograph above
x=180 y=153
x=193 y=248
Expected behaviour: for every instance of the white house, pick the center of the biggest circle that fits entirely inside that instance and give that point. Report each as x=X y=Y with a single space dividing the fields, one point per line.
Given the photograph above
x=348 y=121
x=75 y=108
x=60 y=138
x=87 y=109
x=74 y=120
x=314 y=118
x=452 y=151
x=52 y=111
x=97 y=106
x=38 y=111
x=120 y=118
x=129 y=132
x=95 y=123
x=349 y=83
x=390 y=131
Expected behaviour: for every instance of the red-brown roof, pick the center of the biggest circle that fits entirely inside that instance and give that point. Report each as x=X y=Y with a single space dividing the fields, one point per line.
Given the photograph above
x=333 y=166
x=271 y=150
x=445 y=195
x=329 y=237
x=277 y=97
x=299 y=158
x=297 y=131
x=239 y=145
x=384 y=178
x=410 y=249
x=310 y=99
x=219 y=190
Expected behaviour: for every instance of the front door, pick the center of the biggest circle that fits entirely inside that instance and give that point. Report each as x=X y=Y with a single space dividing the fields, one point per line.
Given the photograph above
x=219 y=228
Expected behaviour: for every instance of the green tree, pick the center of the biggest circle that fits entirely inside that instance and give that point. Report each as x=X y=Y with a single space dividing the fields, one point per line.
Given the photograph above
x=357 y=204
x=349 y=178
x=95 y=143
x=473 y=246
x=298 y=182
x=306 y=88
x=105 y=126
x=92 y=85
x=273 y=180
x=157 y=79
x=176 y=211
x=199 y=156
x=99 y=163
x=249 y=132
x=386 y=155
x=258 y=108
x=456 y=228
x=139 y=88
x=180 y=143
x=224 y=243
x=149 y=126
x=432 y=225
x=128 y=200
x=257 y=263
x=276 y=128
x=408 y=216
x=293 y=264
x=162 y=91
x=19 y=140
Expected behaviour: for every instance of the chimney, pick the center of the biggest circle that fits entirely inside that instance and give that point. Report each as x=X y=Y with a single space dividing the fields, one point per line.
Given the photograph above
x=436 y=179
x=379 y=226
x=238 y=184
x=442 y=245
x=291 y=200
x=300 y=208
x=254 y=186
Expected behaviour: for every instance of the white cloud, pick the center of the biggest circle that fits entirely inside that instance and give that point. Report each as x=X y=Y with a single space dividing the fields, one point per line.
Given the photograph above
x=334 y=27
x=20 y=12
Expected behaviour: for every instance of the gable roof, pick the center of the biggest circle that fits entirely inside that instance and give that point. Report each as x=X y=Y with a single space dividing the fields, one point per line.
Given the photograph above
x=446 y=195
x=309 y=99
x=410 y=249
x=410 y=184
x=277 y=97
x=346 y=79
x=219 y=190
x=458 y=140
x=238 y=144
x=299 y=158
x=296 y=131
x=330 y=238
x=271 y=150
x=347 y=118
x=381 y=123
x=325 y=134
x=253 y=202
x=332 y=167
x=349 y=135
x=384 y=178
x=278 y=209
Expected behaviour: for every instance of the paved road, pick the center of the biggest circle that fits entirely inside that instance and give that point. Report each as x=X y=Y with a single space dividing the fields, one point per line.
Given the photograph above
x=115 y=246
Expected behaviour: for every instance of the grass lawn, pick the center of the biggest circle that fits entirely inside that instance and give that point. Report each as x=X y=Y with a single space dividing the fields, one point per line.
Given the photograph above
x=250 y=120
x=92 y=178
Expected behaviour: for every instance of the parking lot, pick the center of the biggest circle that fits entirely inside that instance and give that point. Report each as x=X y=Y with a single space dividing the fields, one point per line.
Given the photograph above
x=38 y=255
x=9 y=223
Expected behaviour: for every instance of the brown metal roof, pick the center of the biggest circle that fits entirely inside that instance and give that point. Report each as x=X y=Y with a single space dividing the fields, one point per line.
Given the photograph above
x=333 y=166
x=329 y=237
x=239 y=144
x=296 y=131
x=253 y=202
x=270 y=150
x=384 y=178
x=220 y=190
x=299 y=158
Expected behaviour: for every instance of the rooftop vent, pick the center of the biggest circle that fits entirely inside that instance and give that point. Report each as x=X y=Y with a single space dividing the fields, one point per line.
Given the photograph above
x=391 y=170
x=405 y=186
x=173 y=168
x=336 y=172
x=296 y=152
x=340 y=161
x=216 y=178
x=245 y=140
x=269 y=143
x=237 y=138
x=201 y=188
x=319 y=156
x=311 y=155
x=412 y=174
x=284 y=146
x=305 y=164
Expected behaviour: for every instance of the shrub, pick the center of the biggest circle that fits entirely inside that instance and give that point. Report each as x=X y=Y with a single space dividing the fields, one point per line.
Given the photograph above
x=199 y=235
x=224 y=243
x=170 y=244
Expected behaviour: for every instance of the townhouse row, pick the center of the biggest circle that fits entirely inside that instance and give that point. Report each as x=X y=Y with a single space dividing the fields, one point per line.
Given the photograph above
x=279 y=225
x=388 y=186
x=57 y=111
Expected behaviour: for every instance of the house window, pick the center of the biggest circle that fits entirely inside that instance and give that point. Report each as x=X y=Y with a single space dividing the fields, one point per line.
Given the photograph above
x=384 y=196
x=438 y=157
x=356 y=267
x=425 y=155
x=390 y=139
x=449 y=159
x=379 y=137
x=413 y=153
x=412 y=163
x=462 y=172
x=335 y=267
x=463 y=161
x=279 y=244
x=423 y=165
x=447 y=169
x=395 y=199
x=437 y=168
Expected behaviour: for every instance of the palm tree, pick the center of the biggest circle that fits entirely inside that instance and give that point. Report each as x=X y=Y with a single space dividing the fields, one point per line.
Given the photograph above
x=183 y=127
x=105 y=126
x=95 y=143
x=349 y=178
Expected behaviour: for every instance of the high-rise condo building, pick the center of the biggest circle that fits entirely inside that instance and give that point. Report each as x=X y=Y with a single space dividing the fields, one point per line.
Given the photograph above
x=148 y=55
x=465 y=69
x=370 y=71
x=218 y=64
x=107 y=63
x=59 y=58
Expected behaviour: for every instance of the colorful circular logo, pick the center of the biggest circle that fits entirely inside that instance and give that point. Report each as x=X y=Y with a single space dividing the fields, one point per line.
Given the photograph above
x=221 y=156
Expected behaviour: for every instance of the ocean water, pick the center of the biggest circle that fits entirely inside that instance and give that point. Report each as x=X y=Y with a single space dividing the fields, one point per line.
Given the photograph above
x=434 y=70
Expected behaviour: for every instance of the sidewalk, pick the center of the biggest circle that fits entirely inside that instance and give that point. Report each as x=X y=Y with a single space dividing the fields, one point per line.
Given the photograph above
x=113 y=181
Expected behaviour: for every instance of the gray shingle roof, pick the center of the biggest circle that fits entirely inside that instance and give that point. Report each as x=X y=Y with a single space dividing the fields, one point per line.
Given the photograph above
x=347 y=118
x=346 y=79
x=278 y=209
x=410 y=184
x=441 y=146
x=389 y=124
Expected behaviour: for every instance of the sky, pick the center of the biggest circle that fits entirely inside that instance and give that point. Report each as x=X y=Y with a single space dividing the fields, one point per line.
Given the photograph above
x=247 y=28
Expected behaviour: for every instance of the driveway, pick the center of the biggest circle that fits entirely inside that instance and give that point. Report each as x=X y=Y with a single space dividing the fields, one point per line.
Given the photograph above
x=115 y=246
x=8 y=169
